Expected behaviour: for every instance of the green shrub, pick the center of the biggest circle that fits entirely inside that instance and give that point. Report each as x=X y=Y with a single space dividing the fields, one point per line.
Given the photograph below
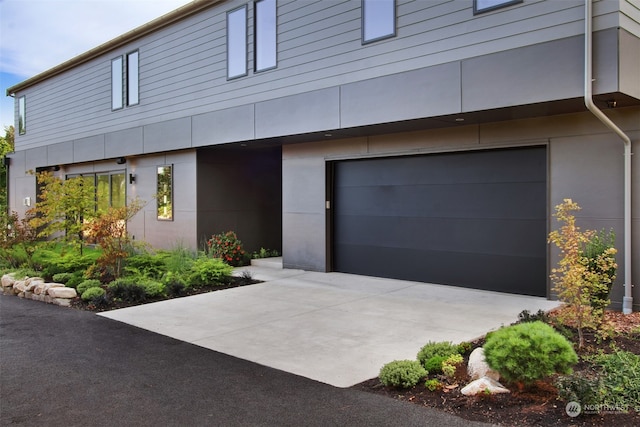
x=525 y=316
x=208 y=271
x=402 y=373
x=89 y=283
x=265 y=253
x=228 y=248
x=126 y=290
x=529 y=351
x=434 y=364
x=178 y=259
x=75 y=280
x=433 y=385
x=578 y=388
x=450 y=365
x=92 y=294
x=465 y=348
x=56 y=261
x=145 y=265
x=62 y=277
x=175 y=284
x=152 y=288
x=431 y=349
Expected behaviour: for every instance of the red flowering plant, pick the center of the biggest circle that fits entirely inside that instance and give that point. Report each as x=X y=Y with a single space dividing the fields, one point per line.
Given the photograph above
x=227 y=247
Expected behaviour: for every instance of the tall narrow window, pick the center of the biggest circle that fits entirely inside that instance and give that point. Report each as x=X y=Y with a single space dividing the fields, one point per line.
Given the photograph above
x=164 y=194
x=132 y=78
x=265 y=34
x=237 y=43
x=378 y=19
x=117 y=85
x=22 y=115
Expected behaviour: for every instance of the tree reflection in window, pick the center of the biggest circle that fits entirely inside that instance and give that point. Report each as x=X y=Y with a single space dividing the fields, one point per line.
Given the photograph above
x=165 y=193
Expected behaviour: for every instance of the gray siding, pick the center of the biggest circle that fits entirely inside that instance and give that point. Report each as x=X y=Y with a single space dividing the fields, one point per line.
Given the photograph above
x=182 y=67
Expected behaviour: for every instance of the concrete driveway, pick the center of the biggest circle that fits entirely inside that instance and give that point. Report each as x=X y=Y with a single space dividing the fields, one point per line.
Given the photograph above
x=330 y=327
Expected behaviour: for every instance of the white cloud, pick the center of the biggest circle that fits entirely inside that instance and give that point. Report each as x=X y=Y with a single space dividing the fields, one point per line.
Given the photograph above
x=36 y=35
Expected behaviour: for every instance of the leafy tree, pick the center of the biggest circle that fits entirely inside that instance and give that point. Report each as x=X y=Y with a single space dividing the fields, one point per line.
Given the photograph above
x=6 y=146
x=109 y=229
x=62 y=208
x=584 y=271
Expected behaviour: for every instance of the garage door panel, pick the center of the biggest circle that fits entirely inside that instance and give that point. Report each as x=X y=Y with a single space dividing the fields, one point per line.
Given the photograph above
x=460 y=201
x=475 y=219
x=515 y=274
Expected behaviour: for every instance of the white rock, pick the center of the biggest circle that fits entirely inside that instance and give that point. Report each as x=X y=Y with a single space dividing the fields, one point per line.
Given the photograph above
x=65 y=302
x=61 y=292
x=483 y=385
x=36 y=280
x=7 y=280
x=42 y=288
x=478 y=367
x=20 y=286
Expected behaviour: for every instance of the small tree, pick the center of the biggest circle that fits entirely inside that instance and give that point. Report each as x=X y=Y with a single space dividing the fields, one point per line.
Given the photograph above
x=579 y=278
x=109 y=230
x=62 y=208
x=17 y=233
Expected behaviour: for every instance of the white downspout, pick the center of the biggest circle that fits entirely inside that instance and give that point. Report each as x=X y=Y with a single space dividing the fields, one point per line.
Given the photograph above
x=627 y=301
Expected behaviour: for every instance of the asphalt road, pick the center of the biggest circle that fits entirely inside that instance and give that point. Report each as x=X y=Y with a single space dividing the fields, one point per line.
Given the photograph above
x=66 y=367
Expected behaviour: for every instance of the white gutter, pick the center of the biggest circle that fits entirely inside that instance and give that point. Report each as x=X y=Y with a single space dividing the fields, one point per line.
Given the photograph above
x=627 y=301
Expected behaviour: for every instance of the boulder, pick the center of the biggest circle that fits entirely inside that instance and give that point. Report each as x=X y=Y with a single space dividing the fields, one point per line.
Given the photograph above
x=31 y=284
x=7 y=281
x=61 y=292
x=478 y=368
x=483 y=385
x=20 y=286
x=64 y=302
x=43 y=288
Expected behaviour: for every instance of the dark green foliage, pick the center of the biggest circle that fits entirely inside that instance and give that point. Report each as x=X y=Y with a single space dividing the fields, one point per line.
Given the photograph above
x=62 y=277
x=228 y=248
x=578 y=388
x=529 y=351
x=92 y=293
x=176 y=288
x=465 y=348
x=152 y=288
x=265 y=253
x=177 y=260
x=208 y=271
x=87 y=284
x=620 y=378
x=525 y=316
x=126 y=290
x=56 y=261
x=75 y=280
x=145 y=265
x=434 y=364
x=431 y=349
x=402 y=373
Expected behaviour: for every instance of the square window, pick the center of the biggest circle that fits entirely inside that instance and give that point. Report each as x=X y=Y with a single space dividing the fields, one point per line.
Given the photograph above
x=378 y=20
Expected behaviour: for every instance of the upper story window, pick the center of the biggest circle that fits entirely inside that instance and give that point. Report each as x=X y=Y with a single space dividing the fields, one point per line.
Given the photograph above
x=117 y=83
x=22 y=115
x=237 y=43
x=480 y=6
x=378 y=20
x=132 y=78
x=265 y=19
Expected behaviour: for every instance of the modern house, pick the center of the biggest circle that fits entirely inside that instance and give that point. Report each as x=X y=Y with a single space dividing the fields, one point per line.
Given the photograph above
x=413 y=139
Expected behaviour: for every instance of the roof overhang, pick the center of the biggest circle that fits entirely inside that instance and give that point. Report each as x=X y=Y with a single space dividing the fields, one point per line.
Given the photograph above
x=181 y=13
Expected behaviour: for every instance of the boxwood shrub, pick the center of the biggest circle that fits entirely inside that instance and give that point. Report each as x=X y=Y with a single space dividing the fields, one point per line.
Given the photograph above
x=402 y=373
x=528 y=352
x=92 y=294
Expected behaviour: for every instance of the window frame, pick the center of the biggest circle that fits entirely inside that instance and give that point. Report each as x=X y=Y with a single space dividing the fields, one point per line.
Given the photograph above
x=363 y=21
x=170 y=198
x=259 y=42
x=232 y=44
x=133 y=76
x=117 y=82
x=22 y=115
x=497 y=4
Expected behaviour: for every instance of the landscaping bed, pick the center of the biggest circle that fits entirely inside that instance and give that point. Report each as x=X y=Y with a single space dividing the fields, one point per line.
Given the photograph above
x=538 y=404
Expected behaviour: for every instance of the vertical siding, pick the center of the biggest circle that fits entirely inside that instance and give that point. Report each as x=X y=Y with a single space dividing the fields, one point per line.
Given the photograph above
x=183 y=66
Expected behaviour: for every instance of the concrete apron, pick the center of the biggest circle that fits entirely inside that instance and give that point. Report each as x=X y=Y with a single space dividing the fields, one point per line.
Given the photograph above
x=331 y=327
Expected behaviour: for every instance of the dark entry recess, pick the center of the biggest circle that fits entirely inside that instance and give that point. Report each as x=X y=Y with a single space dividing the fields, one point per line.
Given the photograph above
x=472 y=219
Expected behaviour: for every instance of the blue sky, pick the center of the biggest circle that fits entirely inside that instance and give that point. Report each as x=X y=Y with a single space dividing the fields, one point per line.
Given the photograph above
x=36 y=35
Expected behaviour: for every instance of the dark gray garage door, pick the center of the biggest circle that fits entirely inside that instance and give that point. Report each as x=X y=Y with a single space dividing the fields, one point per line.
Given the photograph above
x=474 y=219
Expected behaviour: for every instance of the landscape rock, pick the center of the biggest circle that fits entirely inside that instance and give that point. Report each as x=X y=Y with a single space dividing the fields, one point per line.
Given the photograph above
x=20 y=286
x=42 y=288
x=483 y=385
x=65 y=302
x=478 y=367
x=61 y=291
x=7 y=281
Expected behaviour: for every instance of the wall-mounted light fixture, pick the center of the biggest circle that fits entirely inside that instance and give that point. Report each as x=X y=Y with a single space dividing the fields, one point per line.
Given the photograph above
x=7 y=161
x=121 y=161
x=132 y=178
